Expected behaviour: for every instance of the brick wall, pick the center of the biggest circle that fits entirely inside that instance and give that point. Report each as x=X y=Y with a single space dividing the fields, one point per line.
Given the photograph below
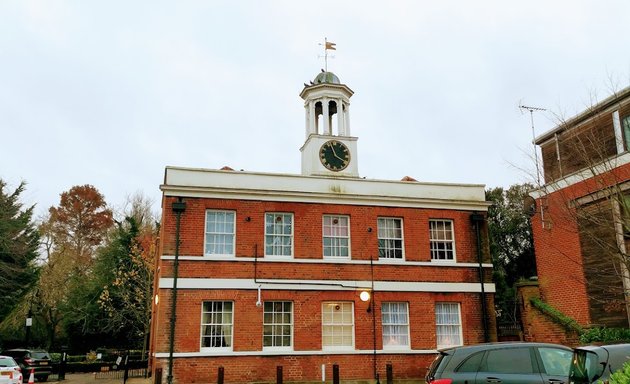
x=250 y=369
x=307 y=317
x=253 y=364
x=559 y=244
x=308 y=228
x=307 y=334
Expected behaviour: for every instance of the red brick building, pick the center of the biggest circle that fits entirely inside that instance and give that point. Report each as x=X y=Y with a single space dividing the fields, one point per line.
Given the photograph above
x=581 y=214
x=324 y=268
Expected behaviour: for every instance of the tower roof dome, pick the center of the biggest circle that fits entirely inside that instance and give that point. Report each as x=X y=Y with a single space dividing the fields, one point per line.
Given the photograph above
x=326 y=77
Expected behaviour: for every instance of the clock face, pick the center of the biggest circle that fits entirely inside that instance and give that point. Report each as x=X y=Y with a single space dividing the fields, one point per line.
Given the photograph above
x=334 y=155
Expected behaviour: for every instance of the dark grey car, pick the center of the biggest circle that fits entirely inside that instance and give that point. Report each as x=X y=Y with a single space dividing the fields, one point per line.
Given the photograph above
x=506 y=363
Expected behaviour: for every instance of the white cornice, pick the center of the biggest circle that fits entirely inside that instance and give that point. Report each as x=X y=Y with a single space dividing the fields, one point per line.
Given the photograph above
x=207 y=183
x=323 y=285
x=295 y=353
x=401 y=263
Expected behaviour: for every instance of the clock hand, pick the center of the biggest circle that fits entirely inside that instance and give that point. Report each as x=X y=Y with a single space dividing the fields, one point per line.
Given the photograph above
x=335 y=153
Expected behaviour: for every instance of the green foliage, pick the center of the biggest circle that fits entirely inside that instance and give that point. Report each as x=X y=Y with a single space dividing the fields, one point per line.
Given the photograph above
x=621 y=376
x=605 y=335
x=19 y=241
x=556 y=316
x=126 y=298
x=511 y=245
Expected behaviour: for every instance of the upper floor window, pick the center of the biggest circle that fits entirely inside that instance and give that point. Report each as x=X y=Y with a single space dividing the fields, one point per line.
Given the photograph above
x=337 y=325
x=278 y=234
x=277 y=324
x=220 y=233
x=216 y=324
x=448 y=325
x=336 y=236
x=395 y=325
x=390 y=238
x=625 y=124
x=442 y=240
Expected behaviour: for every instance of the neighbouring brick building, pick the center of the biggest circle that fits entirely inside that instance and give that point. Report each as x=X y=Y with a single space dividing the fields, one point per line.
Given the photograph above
x=318 y=269
x=580 y=215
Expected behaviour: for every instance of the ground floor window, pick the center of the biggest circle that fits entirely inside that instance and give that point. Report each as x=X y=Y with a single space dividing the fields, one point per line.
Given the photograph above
x=337 y=325
x=395 y=325
x=277 y=324
x=448 y=325
x=216 y=324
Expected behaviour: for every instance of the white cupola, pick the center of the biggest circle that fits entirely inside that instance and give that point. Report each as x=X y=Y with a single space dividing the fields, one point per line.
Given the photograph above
x=329 y=149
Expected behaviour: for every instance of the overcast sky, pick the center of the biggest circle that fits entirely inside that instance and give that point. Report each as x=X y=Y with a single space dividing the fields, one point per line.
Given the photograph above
x=108 y=93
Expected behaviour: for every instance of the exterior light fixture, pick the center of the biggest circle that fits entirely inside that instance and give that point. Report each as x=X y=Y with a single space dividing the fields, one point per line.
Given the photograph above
x=365 y=296
x=157 y=299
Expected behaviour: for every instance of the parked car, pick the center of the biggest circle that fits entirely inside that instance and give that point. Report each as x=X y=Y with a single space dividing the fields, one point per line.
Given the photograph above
x=29 y=359
x=504 y=363
x=597 y=362
x=10 y=371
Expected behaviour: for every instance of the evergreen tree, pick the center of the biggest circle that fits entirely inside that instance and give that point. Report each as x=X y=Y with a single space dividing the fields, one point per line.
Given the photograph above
x=19 y=242
x=511 y=245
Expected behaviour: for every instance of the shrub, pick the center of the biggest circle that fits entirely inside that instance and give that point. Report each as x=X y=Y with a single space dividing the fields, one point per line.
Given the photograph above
x=622 y=376
x=605 y=335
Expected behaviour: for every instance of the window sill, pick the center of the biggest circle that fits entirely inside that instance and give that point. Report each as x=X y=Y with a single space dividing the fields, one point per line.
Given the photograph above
x=278 y=257
x=277 y=349
x=453 y=261
x=396 y=348
x=337 y=349
x=218 y=350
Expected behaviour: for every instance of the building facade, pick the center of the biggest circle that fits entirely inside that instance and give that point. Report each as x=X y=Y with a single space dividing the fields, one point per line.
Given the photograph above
x=580 y=214
x=297 y=274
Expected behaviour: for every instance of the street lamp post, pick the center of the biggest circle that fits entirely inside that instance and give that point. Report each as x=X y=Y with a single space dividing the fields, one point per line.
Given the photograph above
x=178 y=208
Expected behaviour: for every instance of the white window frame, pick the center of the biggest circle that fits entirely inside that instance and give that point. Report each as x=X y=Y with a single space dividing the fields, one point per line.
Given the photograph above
x=442 y=241
x=206 y=233
x=379 y=237
x=330 y=306
x=625 y=128
x=335 y=236
x=280 y=235
x=211 y=323
x=274 y=324
x=402 y=322
x=446 y=321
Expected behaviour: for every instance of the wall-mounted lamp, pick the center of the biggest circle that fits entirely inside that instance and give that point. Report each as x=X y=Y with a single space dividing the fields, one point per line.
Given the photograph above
x=364 y=296
x=369 y=229
x=259 y=301
x=248 y=219
x=157 y=299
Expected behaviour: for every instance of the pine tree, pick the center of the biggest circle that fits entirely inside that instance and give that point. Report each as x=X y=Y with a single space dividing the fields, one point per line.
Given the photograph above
x=19 y=242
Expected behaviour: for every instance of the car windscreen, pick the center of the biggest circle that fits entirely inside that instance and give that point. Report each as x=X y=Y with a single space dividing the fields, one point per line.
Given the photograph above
x=585 y=367
x=7 y=362
x=39 y=355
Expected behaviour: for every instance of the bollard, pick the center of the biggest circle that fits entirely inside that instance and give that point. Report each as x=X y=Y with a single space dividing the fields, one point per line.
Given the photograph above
x=158 y=376
x=62 y=365
x=335 y=374
x=279 y=374
x=220 y=376
x=390 y=374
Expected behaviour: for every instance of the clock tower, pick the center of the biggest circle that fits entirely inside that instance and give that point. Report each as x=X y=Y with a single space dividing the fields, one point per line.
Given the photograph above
x=329 y=150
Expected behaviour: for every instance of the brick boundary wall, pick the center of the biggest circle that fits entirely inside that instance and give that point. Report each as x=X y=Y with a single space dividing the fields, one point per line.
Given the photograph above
x=538 y=327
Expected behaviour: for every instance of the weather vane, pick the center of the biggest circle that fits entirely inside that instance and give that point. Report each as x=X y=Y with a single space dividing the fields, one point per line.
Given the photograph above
x=328 y=46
